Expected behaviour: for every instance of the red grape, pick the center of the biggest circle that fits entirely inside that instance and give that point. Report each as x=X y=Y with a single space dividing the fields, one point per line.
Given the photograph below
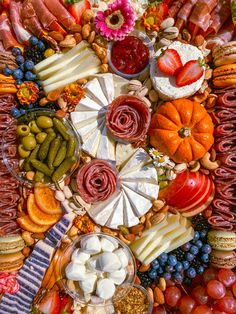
x=227 y=304
x=159 y=310
x=172 y=296
x=199 y=293
x=202 y=309
x=227 y=277
x=209 y=274
x=216 y=289
x=187 y=304
x=216 y=310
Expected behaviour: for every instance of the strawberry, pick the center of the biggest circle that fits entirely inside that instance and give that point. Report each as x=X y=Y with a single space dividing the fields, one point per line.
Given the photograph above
x=77 y=8
x=50 y=304
x=169 y=61
x=66 y=305
x=190 y=73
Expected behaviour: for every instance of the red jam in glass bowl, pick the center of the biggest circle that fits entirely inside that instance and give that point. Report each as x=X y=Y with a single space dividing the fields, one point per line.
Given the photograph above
x=130 y=55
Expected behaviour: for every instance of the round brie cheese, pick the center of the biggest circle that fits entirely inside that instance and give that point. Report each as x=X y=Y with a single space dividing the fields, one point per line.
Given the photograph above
x=165 y=84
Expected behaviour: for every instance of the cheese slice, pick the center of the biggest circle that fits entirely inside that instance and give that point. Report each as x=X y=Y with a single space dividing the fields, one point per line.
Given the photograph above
x=106 y=148
x=116 y=218
x=124 y=152
x=86 y=131
x=85 y=117
x=90 y=62
x=181 y=240
x=130 y=219
x=157 y=252
x=94 y=91
x=92 y=142
x=147 y=173
x=87 y=104
x=47 y=62
x=107 y=85
x=146 y=189
x=139 y=203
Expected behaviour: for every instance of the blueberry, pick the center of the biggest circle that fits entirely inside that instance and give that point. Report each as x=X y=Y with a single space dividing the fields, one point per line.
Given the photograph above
x=16 y=52
x=22 y=67
x=22 y=111
x=172 y=261
x=41 y=46
x=186 y=247
x=179 y=266
x=20 y=60
x=200 y=269
x=191 y=272
x=29 y=64
x=199 y=244
x=18 y=74
x=189 y=257
x=169 y=269
x=177 y=277
x=203 y=234
x=163 y=257
x=15 y=112
x=205 y=258
x=155 y=264
x=30 y=76
x=196 y=236
x=167 y=276
x=19 y=82
x=194 y=250
x=206 y=249
x=162 y=263
x=152 y=273
x=185 y=265
x=7 y=71
x=33 y=40
x=160 y=270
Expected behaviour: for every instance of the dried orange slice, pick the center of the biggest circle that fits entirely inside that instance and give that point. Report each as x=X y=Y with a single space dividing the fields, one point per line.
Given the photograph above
x=38 y=216
x=45 y=199
x=27 y=224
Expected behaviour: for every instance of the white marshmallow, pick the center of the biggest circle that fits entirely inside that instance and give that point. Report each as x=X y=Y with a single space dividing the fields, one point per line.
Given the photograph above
x=88 y=284
x=107 y=245
x=91 y=245
x=105 y=288
x=120 y=253
x=118 y=276
x=79 y=256
x=109 y=262
x=75 y=271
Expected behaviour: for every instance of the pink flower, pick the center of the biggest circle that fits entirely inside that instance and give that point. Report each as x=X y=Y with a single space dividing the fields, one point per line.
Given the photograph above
x=117 y=21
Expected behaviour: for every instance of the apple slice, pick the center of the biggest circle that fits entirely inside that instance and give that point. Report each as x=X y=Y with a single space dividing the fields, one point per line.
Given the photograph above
x=175 y=186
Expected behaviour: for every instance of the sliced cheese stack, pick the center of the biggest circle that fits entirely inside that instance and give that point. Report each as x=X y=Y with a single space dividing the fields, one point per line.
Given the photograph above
x=89 y=117
x=171 y=233
x=138 y=188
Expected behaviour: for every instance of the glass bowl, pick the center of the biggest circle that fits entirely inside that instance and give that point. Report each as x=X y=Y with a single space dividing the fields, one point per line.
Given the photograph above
x=15 y=166
x=77 y=294
x=146 y=40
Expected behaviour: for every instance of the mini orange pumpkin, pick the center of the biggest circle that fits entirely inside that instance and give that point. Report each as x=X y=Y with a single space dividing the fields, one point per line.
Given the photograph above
x=182 y=129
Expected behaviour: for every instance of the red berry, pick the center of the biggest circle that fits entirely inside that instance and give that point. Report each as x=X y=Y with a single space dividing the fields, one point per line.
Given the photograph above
x=216 y=289
x=209 y=274
x=172 y=296
x=202 y=309
x=187 y=304
x=199 y=293
x=189 y=73
x=227 y=304
x=169 y=62
x=227 y=277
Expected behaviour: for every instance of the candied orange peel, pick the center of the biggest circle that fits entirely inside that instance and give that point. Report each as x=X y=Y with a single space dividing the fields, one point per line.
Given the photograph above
x=84 y=224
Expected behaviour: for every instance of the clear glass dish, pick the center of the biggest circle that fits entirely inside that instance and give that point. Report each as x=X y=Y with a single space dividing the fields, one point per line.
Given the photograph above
x=15 y=168
x=78 y=295
x=146 y=40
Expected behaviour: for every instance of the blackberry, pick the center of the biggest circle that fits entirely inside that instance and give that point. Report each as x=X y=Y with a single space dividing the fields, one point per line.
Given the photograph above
x=200 y=223
x=146 y=281
x=33 y=53
x=196 y=263
x=180 y=255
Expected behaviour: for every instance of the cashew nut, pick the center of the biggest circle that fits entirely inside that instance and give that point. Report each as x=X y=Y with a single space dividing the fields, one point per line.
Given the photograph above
x=195 y=166
x=27 y=237
x=208 y=164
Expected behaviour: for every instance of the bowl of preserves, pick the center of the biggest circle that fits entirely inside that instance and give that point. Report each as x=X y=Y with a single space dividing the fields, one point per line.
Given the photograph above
x=130 y=57
x=94 y=266
x=47 y=149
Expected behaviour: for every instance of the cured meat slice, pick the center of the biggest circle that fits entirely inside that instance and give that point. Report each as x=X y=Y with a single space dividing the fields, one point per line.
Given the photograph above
x=8 y=214
x=44 y=15
x=6 y=34
x=219 y=16
x=175 y=7
x=184 y=13
x=219 y=223
x=225 y=145
x=224 y=35
x=228 y=99
x=60 y=12
x=225 y=172
x=227 y=192
x=221 y=204
x=228 y=159
x=227 y=128
x=9 y=227
x=31 y=22
x=21 y=33
x=226 y=114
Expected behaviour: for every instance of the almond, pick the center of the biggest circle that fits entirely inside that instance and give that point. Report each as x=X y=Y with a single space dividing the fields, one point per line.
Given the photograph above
x=144 y=268
x=158 y=296
x=78 y=37
x=150 y=293
x=162 y=284
x=130 y=237
x=136 y=229
x=199 y=40
x=56 y=35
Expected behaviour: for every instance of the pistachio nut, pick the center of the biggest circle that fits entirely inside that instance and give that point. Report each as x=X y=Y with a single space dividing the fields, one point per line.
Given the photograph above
x=134 y=85
x=170 y=32
x=169 y=22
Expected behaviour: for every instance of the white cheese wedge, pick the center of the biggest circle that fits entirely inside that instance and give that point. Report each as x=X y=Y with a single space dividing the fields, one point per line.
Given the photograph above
x=107 y=85
x=92 y=142
x=130 y=218
x=117 y=217
x=86 y=130
x=147 y=173
x=139 y=203
x=124 y=152
x=181 y=240
x=121 y=85
x=87 y=104
x=106 y=149
x=94 y=90
x=146 y=189
x=81 y=118
x=165 y=84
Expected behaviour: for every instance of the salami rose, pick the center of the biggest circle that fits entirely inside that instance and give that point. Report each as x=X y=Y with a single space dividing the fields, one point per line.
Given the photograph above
x=128 y=118
x=96 y=181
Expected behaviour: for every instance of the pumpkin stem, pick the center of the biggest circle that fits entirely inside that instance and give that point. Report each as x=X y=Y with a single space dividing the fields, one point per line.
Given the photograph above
x=185 y=132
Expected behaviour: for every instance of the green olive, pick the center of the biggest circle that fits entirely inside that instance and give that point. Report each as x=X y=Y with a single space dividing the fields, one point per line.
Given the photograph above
x=40 y=137
x=44 y=122
x=33 y=127
x=22 y=152
x=23 y=130
x=49 y=130
x=29 y=142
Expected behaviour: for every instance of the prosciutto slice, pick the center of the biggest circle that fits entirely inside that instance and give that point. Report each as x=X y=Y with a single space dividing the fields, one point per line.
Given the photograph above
x=184 y=13
x=225 y=34
x=60 y=12
x=219 y=16
x=31 y=22
x=44 y=15
x=6 y=34
x=175 y=7
x=21 y=33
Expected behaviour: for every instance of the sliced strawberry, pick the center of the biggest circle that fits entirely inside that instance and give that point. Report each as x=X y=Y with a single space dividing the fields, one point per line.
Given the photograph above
x=169 y=61
x=189 y=73
x=66 y=305
x=50 y=304
x=77 y=9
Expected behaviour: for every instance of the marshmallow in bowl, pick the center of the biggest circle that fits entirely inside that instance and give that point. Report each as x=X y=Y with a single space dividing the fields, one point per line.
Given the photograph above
x=88 y=284
x=117 y=276
x=93 y=263
x=79 y=256
x=105 y=288
x=75 y=271
x=91 y=245
x=120 y=253
x=109 y=262
x=107 y=245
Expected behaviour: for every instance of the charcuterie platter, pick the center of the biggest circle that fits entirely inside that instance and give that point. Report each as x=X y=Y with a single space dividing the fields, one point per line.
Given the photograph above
x=118 y=157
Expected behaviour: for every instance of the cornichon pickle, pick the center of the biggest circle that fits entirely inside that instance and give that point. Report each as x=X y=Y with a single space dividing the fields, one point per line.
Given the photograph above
x=38 y=165
x=61 y=155
x=33 y=155
x=44 y=148
x=71 y=147
x=54 y=147
x=39 y=176
x=63 y=168
x=61 y=128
